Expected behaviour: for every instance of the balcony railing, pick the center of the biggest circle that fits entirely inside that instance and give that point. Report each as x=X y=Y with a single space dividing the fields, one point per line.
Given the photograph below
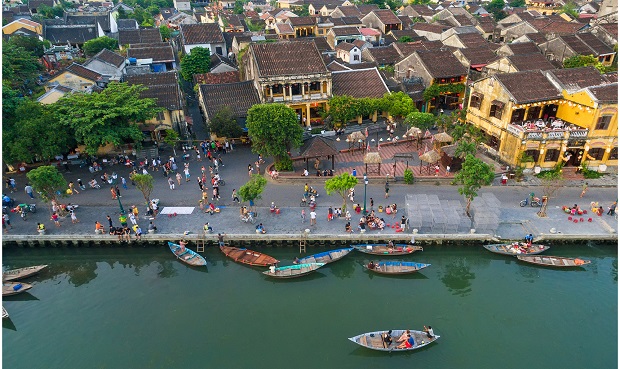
x=552 y=129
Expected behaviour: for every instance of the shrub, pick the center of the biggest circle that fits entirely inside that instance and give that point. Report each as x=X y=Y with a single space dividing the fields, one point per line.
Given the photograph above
x=408 y=176
x=316 y=130
x=285 y=164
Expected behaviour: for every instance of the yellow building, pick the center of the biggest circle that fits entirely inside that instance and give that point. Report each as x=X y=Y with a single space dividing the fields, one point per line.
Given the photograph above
x=567 y=115
x=76 y=77
x=24 y=25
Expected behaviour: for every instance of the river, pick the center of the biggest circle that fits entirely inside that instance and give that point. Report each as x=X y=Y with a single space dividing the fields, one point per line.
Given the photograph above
x=141 y=308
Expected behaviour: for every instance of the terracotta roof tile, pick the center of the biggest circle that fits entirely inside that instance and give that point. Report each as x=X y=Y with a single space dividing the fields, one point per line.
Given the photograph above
x=441 y=63
x=350 y=11
x=288 y=58
x=523 y=48
x=285 y=29
x=239 y=96
x=209 y=33
x=320 y=42
x=427 y=27
x=386 y=16
x=367 y=8
x=345 y=31
x=159 y=54
x=479 y=55
x=302 y=21
x=594 y=43
x=83 y=72
x=318 y=146
x=110 y=57
x=345 y=46
x=345 y=21
x=138 y=36
x=611 y=28
x=529 y=86
x=384 y=55
x=217 y=78
x=530 y=62
x=423 y=10
x=577 y=78
x=164 y=87
x=472 y=39
x=407 y=48
x=358 y=83
x=606 y=94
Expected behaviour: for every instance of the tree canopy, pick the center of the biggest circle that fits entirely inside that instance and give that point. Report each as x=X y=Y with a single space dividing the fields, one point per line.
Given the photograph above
x=474 y=174
x=274 y=131
x=340 y=185
x=423 y=121
x=577 y=61
x=92 y=47
x=144 y=183
x=20 y=68
x=342 y=109
x=108 y=117
x=199 y=61
x=224 y=124
x=253 y=189
x=398 y=104
x=496 y=7
x=165 y=32
x=31 y=44
x=47 y=181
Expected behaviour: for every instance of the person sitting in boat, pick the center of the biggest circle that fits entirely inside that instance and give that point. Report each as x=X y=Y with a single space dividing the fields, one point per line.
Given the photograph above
x=529 y=238
x=429 y=331
x=408 y=343
x=371 y=265
x=260 y=229
x=390 y=246
x=182 y=243
x=296 y=261
x=387 y=338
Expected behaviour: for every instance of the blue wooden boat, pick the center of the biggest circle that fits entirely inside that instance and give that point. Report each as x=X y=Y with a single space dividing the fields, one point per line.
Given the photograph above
x=325 y=257
x=386 y=249
x=395 y=267
x=293 y=271
x=516 y=248
x=374 y=340
x=187 y=256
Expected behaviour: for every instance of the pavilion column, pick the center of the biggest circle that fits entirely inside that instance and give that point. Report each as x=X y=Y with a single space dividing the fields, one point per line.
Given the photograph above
x=271 y=91
x=307 y=115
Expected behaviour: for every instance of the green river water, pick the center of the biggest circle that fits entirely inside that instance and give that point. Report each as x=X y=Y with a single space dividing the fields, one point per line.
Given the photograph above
x=141 y=308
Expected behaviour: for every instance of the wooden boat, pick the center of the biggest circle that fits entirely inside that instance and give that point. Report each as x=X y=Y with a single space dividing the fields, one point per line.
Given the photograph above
x=373 y=340
x=249 y=257
x=5 y=314
x=516 y=249
x=397 y=267
x=188 y=256
x=293 y=271
x=384 y=249
x=13 y=288
x=325 y=257
x=11 y=275
x=553 y=261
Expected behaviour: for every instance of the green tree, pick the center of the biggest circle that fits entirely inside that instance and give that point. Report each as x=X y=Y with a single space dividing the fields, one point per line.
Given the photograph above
x=423 y=121
x=31 y=44
x=473 y=175
x=153 y=10
x=19 y=68
x=303 y=11
x=340 y=185
x=274 y=131
x=252 y=27
x=92 y=47
x=342 y=109
x=397 y=104
x=144 y=183
x=107 y=117
x=496 y=7
x=552 y=182
x=253 y=189
x=238 y=8
x=35 y=133
x=517 y=3
x=48 y=12
x=11 y=99
x=405 y=39
x=165 y=32
x=577 y=61
x=199 y=61
x=419 y=2
x=571 y=9
x=224 y=124
x=171 y=138
x=48 y=182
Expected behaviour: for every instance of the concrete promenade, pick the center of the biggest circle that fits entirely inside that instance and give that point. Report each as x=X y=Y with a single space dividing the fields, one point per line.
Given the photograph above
x=515 y=221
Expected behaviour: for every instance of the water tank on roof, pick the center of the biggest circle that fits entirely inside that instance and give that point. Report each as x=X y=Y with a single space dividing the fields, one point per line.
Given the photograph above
x=132 y=61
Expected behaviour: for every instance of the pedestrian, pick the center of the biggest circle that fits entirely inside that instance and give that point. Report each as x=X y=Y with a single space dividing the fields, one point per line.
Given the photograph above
x=235 y=198
x=447 y=169
x=152 y=227
x=200 y=184
x=118 y=191
x=312 y=217
x=387 y=189
x=347 y=215
x=436 y=170
x=303 y=215
x=226 y=146
x=186 y=171
x=403 y=222
x=330 y=214
x=72 y=187
x=250 y=170
x=74 y=218
x=352 y=194
x=372 y=203
x=56 y=219
x=132 y=219
x=178 y=175
x=584 y=188
x=81 y=185
x=109 y=221
x=216 y=196
x=135 y=211
x=28 y=190
x=124 y=182
x=6 y=222
x=171 y=183
x=220 y=239
x=612 y=208
x=123 y=220
x=126 y=233
x=113 y=192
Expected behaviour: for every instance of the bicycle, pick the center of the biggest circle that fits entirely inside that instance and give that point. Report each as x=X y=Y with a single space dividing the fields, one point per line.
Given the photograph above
x=221 y=182
x=248 y=218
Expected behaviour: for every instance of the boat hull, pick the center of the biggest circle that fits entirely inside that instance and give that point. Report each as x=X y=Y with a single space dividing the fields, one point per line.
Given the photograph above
x=5 y=314
x=326 y=257
x=21 y=273
x=397 y=267
x=188 y=256
x=248 y=257
x=293 y=271
x=384 y=250
x=508 y=249
x=8 y=288
x=373 y=341
x=554 y=261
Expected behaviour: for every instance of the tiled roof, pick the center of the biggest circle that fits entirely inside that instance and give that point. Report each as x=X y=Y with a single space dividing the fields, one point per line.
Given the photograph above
x=61 y=34
x=529 y=86
x=558 y=27
x=530 y=62
x=345 y=31
x=427 y=27
x=441 y=63
x=406 y=21
x=239 y=96
x=350 y=11
x=611 y=76
x=35 y=4
x=126 y=24
x=166 y=13
x=110 y=57
x=159 y=54
x=367 y=8
x=233 y=20
x=369 y=32
x=577 y=78
x=463 y=20
x=359 y=43
x=217 y=78
x=103 y=20
x=164 y=87
x=344 y=21
x=479 y=55
x=537 y=38
x=201 y=34
x=358 y=83
x=384 y=54
x=386 y=16
x=576 y=44
x=320 y=42
x=397 y=34
x=611 y=28
x=318 y=146
x=594 y=43
x=606 y=94
x=423 y=10
x=472 y=39
x=217 y=59
x=83 y=72
x=336 y=66
x=285 y=28
x=487 y=24
x=523 y=48
x=288 y=58
x=345 y=46
x=407 y=48
x=302 y=21
x=138 y=36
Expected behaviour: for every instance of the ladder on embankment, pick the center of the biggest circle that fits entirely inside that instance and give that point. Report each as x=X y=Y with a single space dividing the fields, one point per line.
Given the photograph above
x=303 y=240
x=200 y=243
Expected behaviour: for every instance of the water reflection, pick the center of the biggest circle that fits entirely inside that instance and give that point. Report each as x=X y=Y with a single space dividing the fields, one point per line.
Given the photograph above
x=614 y=270
x=457 y=277
x=24 y=296
x=166 y=269
x=8 y=324
x=307 y=277
x=341 y=270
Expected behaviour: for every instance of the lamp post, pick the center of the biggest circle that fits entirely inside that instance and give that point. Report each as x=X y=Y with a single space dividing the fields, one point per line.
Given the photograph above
x=120 y=205
x=365 y=184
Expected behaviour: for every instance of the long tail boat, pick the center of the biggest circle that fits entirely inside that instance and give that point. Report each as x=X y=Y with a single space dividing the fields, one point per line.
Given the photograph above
x=375 y=341
x=21 y=273
x=396 y=267
x=516 y=249
x=325 y=257
x=292 y=271
x=249 y=257
x=13 y=288
x=553 y=261
x=387 y=249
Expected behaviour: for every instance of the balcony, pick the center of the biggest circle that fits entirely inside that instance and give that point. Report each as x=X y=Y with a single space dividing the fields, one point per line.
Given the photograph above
x=550 y=129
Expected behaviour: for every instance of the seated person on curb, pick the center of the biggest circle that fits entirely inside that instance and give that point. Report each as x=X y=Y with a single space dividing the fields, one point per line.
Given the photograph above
x=207 y=228
x=429 y=331
x=305 y=173
x=347 y=228
x=98 y=227
x=273 y=207
x=152 y=227
x=386 y=337
x=260 y=229
x=41 y=227
x=210 y=209
x=408 y=343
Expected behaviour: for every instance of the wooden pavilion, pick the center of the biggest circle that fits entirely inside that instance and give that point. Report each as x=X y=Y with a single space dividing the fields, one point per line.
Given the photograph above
x=431 y=158
x=373 y=158
x=318 y=147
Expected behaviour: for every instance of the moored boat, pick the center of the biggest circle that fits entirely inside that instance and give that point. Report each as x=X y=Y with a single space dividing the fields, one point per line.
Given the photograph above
x=14 y=274
x=13 y=288
x=387 y=249
x=325 y=257
x=516 y=248
x=292 y=271
x=249 y=257
x=553 y=261
x=187 y=256
x=5 y=314
x=374 y=340
x=396 y=267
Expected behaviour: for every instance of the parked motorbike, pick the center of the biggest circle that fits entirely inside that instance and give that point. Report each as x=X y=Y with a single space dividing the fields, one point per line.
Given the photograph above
x=532 y=200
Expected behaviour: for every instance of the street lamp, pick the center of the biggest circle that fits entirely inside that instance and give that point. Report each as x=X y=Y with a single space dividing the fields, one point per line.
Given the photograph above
x=120 y=205
x=365 y=184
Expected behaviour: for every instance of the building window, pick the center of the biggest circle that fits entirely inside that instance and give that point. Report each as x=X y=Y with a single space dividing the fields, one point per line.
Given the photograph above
x=552 y=155
x=496 y=109
x=596 y=154
x=517 y=115
x=534 y=154
x=613 y=154
x=218 y=50
x=533 y=113
x=356 y=57
x=277 y=89
x=491 y=141
x=161 y=116
x=603 y=122
x=476 y=100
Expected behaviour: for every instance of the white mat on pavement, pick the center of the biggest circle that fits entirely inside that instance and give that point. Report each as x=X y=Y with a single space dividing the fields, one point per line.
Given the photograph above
x=179 y=210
